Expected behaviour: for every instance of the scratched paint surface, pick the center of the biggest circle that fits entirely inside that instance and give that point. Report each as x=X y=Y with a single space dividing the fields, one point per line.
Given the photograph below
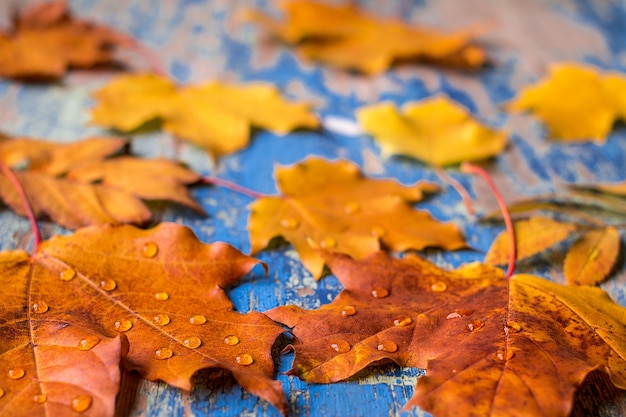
x=199 y=40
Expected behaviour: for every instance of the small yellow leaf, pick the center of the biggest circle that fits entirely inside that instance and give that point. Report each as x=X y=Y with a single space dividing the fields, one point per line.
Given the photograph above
x=576 y=102
x=436 y=131
x=591 y=257
x=531 y=236
x=214 y=116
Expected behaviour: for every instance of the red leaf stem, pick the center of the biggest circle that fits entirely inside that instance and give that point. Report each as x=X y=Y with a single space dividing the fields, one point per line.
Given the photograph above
x=232 y=186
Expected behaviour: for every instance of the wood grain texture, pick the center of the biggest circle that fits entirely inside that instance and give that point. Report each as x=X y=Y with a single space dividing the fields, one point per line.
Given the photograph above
x=198 y=40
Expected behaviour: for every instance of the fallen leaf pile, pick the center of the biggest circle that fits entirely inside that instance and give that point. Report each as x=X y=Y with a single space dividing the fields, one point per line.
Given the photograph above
x=490 y=346
x=217 y=117
x=152 y=298
x=576 y=102
x=331 y=205
x=47 y=41
x=436 y=131
x=83 y=183
x=345 y=37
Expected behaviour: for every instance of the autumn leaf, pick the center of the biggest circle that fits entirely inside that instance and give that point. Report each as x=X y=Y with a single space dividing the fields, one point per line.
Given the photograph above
x=217 y=117
x=47 y=41
x=67 y=308
x=531 y=237
x=594 y=102
x=490 y=346
x=345 y=37
x=436 y=131
x=592 y=257
x=74 y=185
x=331 y=205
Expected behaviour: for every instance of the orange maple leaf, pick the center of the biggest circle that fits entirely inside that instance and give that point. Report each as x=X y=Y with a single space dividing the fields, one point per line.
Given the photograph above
x=331 y=205
x=594 y=102
x=215 y=116
x=68 y=308
x=74 y=186
x=47 y=41
x=346 y=37
x=506 y=347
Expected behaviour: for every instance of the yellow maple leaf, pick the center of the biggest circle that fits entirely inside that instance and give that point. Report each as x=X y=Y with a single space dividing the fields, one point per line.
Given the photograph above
x=576 y=102
x=215 y=116
x=436 y=131
x=331 y=205
x=345 y=37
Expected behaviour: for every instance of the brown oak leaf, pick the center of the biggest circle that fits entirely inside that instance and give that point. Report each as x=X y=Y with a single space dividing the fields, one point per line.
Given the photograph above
x=75 y=186
x=47 y=41
x=333 y=206
x=344 y=36
x=215 y=116
x=490 y=346
x=68 y=308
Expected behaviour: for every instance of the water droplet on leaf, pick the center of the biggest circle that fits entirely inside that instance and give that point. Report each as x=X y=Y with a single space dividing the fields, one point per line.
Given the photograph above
x=340 y=346
x=161 y=319
x=388 y=346
x=378 y=231
x=197 y=319
x=150 y=250
x=123 y=325
x=40 y=307
x=439 y=286
x=1 y=393
x=328 y=243
x=475 y=325
x=352 y=207
x=88 y=342
x=16 y=373
x=108 y=284
x=81 y=403
x=161 y=296
x=403 y=322
x=244 y=359
x=348 y=311
x=505 y=357
x=453 y=315
x=380 y=293
x=163 y=353
x=192 y=342
x=513 y=327
x=289 y=223
x=67 y=275
x=231 y=340
x=40 y=398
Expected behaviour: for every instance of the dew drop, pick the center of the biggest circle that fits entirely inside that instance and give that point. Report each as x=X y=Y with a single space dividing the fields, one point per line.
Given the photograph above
x=231 y=340
x=163 y=353
x=161 y=319
x=475 y=325
x=388 y=346
x=439 y=286
x=40 y=398
x=352 y=207
x=197 y=319
x=380 y=293
x=512 y=327
x=378 y=231
x=123 y=325
x=81 y=403
x=16 y=373
x=149 y=250
x=192 y=342
x=505 y=357
x=161 y=296
x=348 y=311
x=403 y=322
x=40 y=307
x=108 y=284
x=88 y=342
x=1 y=393
x=328 y=243
x=67 y=275
x=340 y=346
x=244 y=359
x=453 y=315
x=289 y=223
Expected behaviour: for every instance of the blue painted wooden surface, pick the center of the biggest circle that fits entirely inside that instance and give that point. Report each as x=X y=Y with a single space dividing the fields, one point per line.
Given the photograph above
x=199 y=40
